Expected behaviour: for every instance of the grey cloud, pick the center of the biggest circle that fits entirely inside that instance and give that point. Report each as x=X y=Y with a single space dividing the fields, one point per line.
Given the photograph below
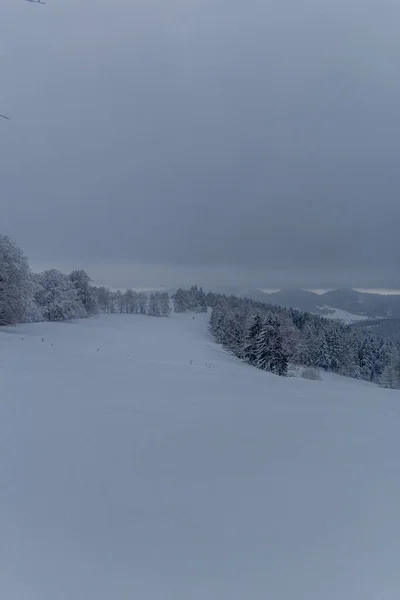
x=255 y=140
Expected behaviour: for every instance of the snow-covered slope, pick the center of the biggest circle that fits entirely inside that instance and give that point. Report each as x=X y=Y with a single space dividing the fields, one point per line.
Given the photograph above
x=341 y=315
x=139 y=461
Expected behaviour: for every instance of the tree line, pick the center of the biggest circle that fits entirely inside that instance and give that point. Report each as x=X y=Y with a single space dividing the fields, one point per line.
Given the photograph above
x=193 y=300
x=155 y=304
x=56 y=296
x=272 y=337
x=265 y=336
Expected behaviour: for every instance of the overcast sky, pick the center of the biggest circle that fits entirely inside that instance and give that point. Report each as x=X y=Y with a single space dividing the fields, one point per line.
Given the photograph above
x=161 y=142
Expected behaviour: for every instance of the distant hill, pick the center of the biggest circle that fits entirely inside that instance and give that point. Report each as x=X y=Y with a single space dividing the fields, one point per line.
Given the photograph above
x=370 y=306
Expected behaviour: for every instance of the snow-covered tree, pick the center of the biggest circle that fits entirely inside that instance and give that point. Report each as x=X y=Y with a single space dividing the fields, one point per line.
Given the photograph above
x=180 y=301
x=86 y=293
x=165 y=304
x=201 y=301
x=154 y=308
x=211 y=299
x=15 y=284
x=193 y=300
x=250 y=353
x=390 y=376
x=103 y=297
x=57 y=297
x=367 y=358
x=131 y=302
x=233 y=334
x=142 y=303
x=303 y=338
x=336 y=348
x=217 y=325
x=279 y=362
x=263 y=344
x=270 y=353
x=384 y=354
x=310 y=349
x=119 y=301
x=322 y=356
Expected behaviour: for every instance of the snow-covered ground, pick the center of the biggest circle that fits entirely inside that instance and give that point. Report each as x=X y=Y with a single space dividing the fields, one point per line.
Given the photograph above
x=341 y=315
x=139 y=461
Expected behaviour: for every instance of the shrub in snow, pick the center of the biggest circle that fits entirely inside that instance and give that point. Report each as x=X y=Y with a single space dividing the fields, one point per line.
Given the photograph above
x=310 y=373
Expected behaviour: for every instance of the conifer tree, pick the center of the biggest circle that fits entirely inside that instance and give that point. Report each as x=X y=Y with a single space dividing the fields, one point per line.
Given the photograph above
x=250 y=353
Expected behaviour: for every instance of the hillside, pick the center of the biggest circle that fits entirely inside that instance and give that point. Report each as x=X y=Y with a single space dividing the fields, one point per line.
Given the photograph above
x=352 y=304
x=386 y=328
x=139 y=460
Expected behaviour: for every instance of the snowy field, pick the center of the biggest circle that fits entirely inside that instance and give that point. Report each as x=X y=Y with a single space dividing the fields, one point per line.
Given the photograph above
x=139 y=461
x=341 y=315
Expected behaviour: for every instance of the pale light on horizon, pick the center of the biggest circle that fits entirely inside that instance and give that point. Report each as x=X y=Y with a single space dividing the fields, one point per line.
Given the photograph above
x=320 y=291
x=381 y=291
